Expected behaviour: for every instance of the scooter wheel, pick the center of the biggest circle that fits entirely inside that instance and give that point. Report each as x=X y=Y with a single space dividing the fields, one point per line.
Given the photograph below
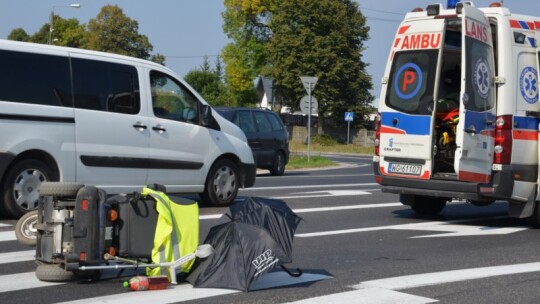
x=59 y=189
x=54 y=273
x=25 y=229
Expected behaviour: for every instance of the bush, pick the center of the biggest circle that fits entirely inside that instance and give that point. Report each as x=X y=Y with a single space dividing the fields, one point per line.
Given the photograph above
x=324 y=140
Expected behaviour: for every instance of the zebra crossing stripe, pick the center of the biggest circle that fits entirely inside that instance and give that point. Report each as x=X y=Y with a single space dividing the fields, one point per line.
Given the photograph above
x=21 y=281
x=5 y=225
x=18 y=256
x=7 y=236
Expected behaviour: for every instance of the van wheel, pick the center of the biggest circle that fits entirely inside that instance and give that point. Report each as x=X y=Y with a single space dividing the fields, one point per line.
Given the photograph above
x=222 y=184
x=20 y=188
x=25 y=229
x=54 y=273
x=426 y=205
x=59 y=189
x=278 y=165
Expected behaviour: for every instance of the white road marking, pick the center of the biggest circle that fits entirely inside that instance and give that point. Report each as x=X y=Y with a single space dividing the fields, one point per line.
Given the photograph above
x=454 y=230
x=321 y=209
x=367 y=296
x=5 y=225
x=437 y=278
x=21 y=281
x=7 y=236
x=17 y=256
x=310 y=186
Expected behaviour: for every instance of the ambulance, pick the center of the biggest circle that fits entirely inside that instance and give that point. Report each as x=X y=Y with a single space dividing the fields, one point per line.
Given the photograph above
x=459 y=112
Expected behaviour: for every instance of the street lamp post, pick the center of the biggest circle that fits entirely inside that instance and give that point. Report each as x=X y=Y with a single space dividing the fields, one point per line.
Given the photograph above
x=51 y=19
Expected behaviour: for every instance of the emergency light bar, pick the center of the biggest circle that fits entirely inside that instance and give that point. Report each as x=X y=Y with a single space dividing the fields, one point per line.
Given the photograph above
x=451 y=4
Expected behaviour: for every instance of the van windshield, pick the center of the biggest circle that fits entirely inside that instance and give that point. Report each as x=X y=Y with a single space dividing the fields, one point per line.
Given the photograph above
x=412 y=81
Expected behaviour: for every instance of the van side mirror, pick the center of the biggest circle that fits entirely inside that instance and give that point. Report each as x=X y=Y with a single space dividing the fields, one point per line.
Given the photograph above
x=208 y=120
x=206 y=115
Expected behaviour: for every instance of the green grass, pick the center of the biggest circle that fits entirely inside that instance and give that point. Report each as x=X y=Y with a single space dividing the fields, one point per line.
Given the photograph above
x=298 y=156
x=315 y=161
x=329 y=147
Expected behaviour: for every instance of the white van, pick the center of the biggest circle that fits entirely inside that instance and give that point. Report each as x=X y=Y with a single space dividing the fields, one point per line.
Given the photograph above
x=459 y=110
x=111 y=121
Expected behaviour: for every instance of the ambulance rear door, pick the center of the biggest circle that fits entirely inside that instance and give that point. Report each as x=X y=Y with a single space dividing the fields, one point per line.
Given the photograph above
x=475 y=130
x=406 y=136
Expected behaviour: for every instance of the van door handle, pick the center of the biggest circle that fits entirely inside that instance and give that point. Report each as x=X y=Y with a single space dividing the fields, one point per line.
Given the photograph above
x=140 y=126
x=159 y=128
x=489 y=122
x=470 y=131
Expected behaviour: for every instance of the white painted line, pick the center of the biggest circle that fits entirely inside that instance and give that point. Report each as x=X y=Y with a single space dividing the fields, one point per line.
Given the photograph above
x=7 y=236
x=339 y=208
x=5 y=225
x=17 y=256
x=453 y=230
x=311 y=186
x=436 y=278
x=367 y=296
x=21 y=281
x=321 y=209
x=174 y=294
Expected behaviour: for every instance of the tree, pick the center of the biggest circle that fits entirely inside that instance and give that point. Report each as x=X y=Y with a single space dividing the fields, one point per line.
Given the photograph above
x=209 y=84
x=245 y=23
x=18 y=34
x=286 y=39
x=324 y=39
x=112 y=31
x=68 y=32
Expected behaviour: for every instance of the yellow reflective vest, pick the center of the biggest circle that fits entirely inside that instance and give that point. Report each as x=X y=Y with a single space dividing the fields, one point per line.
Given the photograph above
x=177 y=232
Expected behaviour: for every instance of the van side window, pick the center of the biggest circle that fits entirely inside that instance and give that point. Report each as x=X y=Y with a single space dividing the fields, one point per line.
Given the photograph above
x=277 y=125
x=35 y=79
x=171 y=100
x=106 y=86
x=262 y=122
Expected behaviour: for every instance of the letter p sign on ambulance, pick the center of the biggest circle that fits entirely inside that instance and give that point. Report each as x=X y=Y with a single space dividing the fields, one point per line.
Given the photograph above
x=408 y=81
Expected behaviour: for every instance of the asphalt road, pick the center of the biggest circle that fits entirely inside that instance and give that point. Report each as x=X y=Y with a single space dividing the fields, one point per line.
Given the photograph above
x=355 y=245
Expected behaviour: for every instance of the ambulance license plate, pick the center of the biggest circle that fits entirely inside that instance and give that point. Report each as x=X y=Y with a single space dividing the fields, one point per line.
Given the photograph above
x=408 y=169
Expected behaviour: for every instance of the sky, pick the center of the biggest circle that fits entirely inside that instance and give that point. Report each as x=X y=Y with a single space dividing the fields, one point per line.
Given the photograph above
x=187 y=30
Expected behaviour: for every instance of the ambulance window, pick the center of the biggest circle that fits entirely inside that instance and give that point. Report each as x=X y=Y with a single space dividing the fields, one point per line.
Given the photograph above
x=412 y=80
x=479 y=88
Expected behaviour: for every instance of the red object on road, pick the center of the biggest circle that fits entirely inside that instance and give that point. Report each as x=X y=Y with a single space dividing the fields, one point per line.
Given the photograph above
x=139 y=283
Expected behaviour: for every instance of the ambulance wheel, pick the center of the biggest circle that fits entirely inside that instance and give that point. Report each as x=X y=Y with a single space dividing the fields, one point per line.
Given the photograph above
x=534 y=219
x=54 y=273
x=21 y=184
x=429 y=206
x=60 y=189
x=25 y=229
x=222 y=184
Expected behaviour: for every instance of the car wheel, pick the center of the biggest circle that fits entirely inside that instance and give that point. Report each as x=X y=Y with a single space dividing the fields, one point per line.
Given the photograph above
x=20 y=188
x=278 y=164
x=25 y=229
x=222 y=184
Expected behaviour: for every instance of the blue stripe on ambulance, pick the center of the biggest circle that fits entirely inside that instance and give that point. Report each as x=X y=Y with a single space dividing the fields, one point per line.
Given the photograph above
x=410 y=124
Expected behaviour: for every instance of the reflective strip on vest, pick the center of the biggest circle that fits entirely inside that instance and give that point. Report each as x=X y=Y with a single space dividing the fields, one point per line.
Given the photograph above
x=177 y=232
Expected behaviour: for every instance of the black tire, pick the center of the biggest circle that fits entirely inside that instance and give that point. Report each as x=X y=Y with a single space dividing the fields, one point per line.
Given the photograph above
x=54 y=273
x=534 y=219
x=25 y=229
x=222 y=184
x=20 y=187
x=59 y=189
x=428 y=206
x=278 y=164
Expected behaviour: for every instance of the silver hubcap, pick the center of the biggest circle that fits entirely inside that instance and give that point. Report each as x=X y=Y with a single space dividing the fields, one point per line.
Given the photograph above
x=29 y=227
x=25 y=189
x=224 y=183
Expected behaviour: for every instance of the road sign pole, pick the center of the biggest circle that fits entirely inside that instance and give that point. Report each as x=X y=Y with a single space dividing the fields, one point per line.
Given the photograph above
x=348 y=130
x=309 y=121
